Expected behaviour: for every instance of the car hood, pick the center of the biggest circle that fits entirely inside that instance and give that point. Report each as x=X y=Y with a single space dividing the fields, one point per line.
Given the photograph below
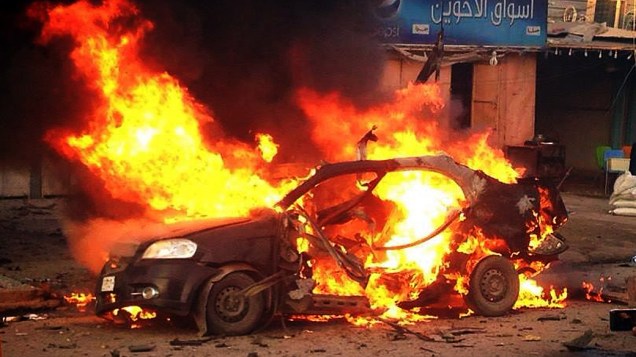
x=155 y=231
x=180 y=229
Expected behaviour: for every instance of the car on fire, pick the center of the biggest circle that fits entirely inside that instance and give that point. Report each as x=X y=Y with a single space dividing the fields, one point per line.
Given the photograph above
x=233 y=276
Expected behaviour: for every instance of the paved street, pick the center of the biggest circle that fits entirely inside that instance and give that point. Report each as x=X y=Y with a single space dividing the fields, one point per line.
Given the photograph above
x=601 y=246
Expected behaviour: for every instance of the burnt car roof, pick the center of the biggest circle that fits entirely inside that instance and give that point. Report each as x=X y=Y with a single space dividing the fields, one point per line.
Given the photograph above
x=500 y=209
x=483 y=193
x=470 y=181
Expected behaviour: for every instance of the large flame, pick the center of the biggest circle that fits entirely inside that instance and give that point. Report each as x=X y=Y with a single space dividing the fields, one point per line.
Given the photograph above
x=144 y=136
x=143 y=139
x=411 y=128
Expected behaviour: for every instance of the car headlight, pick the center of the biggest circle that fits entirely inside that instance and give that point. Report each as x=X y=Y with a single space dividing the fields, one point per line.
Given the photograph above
x=170 y=249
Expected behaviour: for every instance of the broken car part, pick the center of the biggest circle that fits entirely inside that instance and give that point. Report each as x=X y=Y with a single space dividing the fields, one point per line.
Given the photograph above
x=233 y=275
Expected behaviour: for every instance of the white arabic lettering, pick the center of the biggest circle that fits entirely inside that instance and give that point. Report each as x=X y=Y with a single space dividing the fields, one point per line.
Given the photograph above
x=481 y=6
x=511 y=11
x=456 y=10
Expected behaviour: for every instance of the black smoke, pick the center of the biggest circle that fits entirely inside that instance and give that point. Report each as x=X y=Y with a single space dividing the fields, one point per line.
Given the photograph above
x=39 y=88
x=244 y=58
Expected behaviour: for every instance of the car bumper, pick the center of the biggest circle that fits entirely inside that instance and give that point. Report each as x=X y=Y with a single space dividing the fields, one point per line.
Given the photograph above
x=174 y=281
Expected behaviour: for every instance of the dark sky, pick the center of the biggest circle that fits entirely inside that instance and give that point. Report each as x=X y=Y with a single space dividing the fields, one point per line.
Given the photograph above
x=241 y=58
x=37 y=87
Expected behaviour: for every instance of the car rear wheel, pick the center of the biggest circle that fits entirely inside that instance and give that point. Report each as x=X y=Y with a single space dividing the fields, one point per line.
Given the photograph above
x=228 y=311
x=493 y=288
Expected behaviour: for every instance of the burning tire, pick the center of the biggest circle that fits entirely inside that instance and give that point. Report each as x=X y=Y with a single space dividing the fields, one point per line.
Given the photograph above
x=494 y=287
x=228 y=311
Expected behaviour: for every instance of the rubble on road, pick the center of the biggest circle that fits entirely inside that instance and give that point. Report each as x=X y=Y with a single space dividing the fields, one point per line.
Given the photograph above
x=630 y=284
x=580 y=343
x=18 y=298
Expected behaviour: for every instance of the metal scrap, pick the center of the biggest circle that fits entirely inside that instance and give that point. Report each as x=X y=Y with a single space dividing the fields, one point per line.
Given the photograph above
x=467 y=331
x=141 y=348
x=581 y=342
x=403 y=330
x=195 y=342
x=551 y=317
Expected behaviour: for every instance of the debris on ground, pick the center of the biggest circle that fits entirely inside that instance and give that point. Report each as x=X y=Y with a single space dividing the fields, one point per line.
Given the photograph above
x=141 y=348
x=401 y=330
x=580 y=343
x=622 y=319
x=17 y=298
x=258 y=341
x=195 y=342
x=531 y=338
x=551 y=317
x=630 y=283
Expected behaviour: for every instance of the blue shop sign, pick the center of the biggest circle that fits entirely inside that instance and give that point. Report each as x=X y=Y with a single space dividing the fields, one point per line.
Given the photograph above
x=465 y=22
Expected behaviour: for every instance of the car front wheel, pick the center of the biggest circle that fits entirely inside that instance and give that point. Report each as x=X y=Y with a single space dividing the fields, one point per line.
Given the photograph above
x=229 y=312
x=493 y=287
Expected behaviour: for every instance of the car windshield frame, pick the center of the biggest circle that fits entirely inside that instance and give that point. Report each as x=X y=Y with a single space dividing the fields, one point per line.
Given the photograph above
x=466 y=178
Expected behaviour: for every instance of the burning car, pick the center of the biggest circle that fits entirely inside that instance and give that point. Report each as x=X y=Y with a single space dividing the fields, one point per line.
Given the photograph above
x=234 y=275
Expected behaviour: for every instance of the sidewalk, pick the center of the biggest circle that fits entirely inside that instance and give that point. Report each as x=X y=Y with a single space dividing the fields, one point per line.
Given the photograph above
x=594 y=235
x=601 y=246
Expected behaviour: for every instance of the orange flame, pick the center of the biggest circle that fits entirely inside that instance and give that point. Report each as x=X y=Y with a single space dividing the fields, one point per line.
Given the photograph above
x=144 y=140
x=80 y=300
x=533 y=295
x=267 y=147
x=411 y=129
x=138 y=313
x=590 y=294
x=144 y=143
x=135 y=314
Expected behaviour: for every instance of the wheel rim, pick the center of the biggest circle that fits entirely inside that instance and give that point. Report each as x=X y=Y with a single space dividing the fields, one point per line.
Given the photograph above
x=230 y=305
x=493 y=285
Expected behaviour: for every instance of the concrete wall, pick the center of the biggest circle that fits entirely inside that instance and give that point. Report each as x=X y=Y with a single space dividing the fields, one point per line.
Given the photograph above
x=14 y=182
x=51 y=179
x=56 y=178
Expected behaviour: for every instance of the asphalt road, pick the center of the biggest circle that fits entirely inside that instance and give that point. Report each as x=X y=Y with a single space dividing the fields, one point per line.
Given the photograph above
x=601 y=246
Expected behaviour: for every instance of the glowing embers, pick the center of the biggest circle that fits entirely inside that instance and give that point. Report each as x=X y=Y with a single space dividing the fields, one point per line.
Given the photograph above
x=80 y=300
x=133 y=316
x=593 y=293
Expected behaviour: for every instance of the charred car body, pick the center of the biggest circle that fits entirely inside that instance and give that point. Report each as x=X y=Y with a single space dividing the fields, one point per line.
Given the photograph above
x=234 y=275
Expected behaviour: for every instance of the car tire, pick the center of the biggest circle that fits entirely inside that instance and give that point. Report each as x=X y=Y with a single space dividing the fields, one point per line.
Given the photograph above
x=493 y=288
x=229 y=313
